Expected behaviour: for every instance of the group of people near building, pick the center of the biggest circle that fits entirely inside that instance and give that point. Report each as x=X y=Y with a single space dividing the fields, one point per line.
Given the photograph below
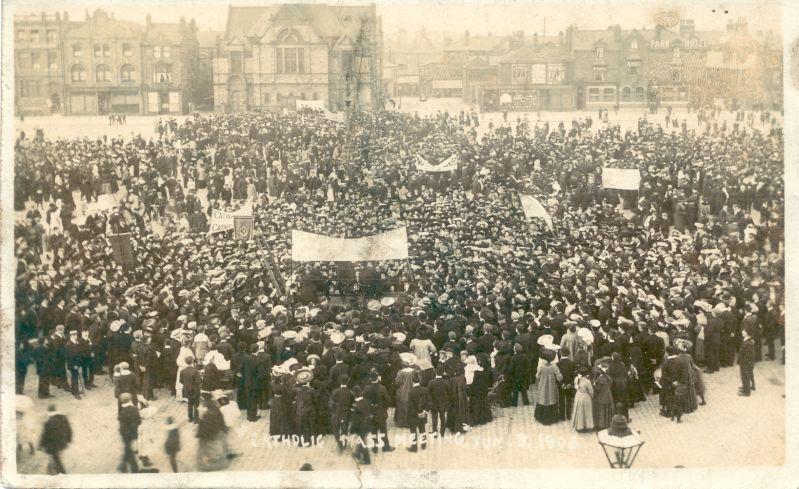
x=625 y=295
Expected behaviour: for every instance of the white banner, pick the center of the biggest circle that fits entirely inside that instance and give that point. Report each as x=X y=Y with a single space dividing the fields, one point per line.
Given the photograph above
x=223 y=220
x=311 y=104
x=449 y=164
x=391 y=245
x=335 y=117
x=621 y=178
x=533 y=208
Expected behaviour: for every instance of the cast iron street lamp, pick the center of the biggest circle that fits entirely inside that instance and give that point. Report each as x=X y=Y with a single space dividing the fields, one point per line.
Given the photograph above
x=619 y=443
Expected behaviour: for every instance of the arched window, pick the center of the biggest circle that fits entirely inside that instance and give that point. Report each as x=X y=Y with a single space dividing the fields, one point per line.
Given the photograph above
x=626 y=93
x=639 y=94
x=103 y=73
x=290 y=56
x=77 y=50
x=127 y=73
x=78 y=74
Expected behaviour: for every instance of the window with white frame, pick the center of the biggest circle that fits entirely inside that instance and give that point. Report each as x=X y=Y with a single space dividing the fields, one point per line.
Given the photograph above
x=676 y=53
x=600 y=73
x=290 y=60
x=289 y=55
x=162 y=73
x=600 y=52
x=98 y=50
x=634 y=45
x=77 y=50
x=519 y=73
x=106 y=50
x=593 y=94
x=127 y=73
x=639 y=94
x=609 y=94
x=156 y=51
x=236 y=62
x=51 y=33
x=626 y=94
x=127 y=50
x=676 y=75
x=52 y=60
x=556 y=73
x=78 y=73
x=36 y=60
x=165 y=51
x=103 y=73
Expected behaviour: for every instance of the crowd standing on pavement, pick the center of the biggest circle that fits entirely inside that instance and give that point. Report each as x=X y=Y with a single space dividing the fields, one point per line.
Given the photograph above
x=628 y=295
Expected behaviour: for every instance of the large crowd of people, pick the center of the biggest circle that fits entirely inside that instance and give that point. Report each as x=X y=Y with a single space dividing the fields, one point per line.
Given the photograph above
x=626 y=295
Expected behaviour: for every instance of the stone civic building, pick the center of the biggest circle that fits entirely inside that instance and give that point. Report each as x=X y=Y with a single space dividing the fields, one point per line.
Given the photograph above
x=270 y=57
x=102 y=65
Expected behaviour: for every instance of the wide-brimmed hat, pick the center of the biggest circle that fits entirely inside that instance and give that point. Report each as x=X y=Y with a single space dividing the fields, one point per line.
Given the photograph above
x=304 y=376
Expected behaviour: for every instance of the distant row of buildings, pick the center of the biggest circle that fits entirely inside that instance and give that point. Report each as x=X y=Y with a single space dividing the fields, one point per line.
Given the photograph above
x=583 y=69
x=269 y=57
x=101 y=65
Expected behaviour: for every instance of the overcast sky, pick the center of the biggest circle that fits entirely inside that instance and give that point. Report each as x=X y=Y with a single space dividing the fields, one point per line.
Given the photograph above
x=479 y=17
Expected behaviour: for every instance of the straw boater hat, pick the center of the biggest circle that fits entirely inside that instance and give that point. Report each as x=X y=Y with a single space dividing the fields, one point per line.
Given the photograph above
x=304 y=376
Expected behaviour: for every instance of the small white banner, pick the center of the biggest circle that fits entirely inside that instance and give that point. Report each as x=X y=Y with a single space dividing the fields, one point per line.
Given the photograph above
x=533 y=208
x=621 y=178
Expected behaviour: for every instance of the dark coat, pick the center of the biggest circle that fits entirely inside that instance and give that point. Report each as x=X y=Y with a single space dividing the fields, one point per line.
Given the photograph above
x=519 y=370
x=341 y=400
x=129 y=421
x=191 y=380
x=746 y=355
x=419 y=402
x=440 y=393
x=56 y=434
x=377 y=395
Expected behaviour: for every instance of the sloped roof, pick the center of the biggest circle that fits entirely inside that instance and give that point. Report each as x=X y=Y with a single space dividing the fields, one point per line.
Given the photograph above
x=541 y=53
x=108 y=28
x=329 y=22
x=240 y=20
x=476 y=43
x=586 y=40
x=167 y=31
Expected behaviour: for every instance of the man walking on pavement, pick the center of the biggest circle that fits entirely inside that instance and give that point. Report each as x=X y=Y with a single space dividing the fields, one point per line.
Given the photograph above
x=746 y=361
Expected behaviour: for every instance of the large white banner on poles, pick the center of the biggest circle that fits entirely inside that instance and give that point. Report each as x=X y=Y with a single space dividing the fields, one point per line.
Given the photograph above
x=533 y=208
x=391 y=245
x=621 y=178
x=449 y=164
x=223 y=220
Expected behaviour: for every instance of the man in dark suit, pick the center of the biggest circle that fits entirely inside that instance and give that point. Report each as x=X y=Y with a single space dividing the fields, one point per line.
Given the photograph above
x=249 y=381
x=340 y=404
x=439 y=389
x=191 y=380
x=129 y=421
x=377 y=395
x=360 y=424
x=519 y=375
x=566 y=392
x=671 y=375
x=652 y=348
x=74 y=354
x=419 y=405
x=746 y=361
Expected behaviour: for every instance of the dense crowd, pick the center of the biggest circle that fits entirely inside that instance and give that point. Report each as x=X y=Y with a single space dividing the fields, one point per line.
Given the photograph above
x=628 y=294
